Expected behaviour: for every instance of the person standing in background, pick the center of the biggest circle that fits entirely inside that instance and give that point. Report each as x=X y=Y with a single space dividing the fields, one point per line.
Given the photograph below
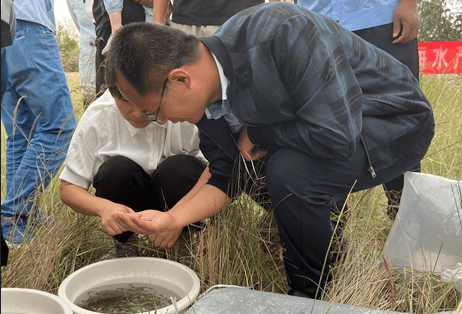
x=104 y=27
x=115 y=7
x=199 y=18
x=37 y=114
x=391 y=25
x=86 y=27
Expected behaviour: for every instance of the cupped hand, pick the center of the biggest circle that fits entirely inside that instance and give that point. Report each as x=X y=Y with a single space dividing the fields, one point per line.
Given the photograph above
x=109 y=220
x=406 y=14
x=146 y=222
x=165 y=239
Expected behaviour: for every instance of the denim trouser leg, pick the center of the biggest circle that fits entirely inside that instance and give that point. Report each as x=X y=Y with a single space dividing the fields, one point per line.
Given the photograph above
x=87 y=45
x=38 y=117
x=4 y=73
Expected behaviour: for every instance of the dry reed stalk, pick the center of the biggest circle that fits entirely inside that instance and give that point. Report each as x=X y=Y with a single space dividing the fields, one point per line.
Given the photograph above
x=38 y=263
x=360 y=278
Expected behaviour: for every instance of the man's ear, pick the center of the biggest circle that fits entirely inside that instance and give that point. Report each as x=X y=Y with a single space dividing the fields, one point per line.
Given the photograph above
x=180 y=76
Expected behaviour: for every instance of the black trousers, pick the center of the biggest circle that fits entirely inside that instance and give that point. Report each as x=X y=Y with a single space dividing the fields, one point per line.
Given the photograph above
x=122 y=181
x=132 y=12
x=301 y=190
x=5 y=250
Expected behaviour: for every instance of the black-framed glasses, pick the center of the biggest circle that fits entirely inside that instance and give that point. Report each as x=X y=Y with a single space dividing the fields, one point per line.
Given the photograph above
x=149 y=115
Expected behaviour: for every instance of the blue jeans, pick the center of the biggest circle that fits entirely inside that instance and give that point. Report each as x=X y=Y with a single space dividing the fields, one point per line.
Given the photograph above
x=39 y=120
x=87 y=45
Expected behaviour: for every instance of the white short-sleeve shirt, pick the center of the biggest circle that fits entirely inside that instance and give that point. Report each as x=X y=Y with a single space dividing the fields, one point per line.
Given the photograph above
x=102 y=133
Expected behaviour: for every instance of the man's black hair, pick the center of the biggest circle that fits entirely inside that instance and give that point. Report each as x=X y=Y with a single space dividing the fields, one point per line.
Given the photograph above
x=145 y=53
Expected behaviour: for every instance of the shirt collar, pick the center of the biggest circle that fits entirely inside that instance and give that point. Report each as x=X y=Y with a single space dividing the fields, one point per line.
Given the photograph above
x=223 y=81
x=133 y=131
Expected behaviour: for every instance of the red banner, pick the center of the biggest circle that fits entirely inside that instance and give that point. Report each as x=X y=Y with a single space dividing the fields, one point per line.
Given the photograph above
x=440 y=57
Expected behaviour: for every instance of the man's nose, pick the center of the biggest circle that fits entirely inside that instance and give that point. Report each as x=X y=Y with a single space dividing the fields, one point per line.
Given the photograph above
x=137 y=114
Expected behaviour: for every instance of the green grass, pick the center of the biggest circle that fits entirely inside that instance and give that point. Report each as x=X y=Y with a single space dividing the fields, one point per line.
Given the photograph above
x=240 y=245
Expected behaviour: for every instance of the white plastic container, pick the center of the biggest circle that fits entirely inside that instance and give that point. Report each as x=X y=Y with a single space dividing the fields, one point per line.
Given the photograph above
x=21 y=300
x=427 y=232
x=167 y=274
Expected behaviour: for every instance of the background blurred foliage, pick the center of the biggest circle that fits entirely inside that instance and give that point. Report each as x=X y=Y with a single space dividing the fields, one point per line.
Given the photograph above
x=437 y=22
x=68 y=43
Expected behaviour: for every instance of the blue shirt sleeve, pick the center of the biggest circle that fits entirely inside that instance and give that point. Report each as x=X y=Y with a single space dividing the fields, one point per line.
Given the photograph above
x=113 y=5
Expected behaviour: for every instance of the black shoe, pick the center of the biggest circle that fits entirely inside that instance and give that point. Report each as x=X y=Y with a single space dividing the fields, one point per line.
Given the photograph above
x=127 y=249
x=338 y=250
x=297 y=293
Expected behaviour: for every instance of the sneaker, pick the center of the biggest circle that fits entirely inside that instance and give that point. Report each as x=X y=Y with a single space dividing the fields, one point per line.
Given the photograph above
x=338 y=250
x=127 y=249
x=297 y=293
x=339 y=246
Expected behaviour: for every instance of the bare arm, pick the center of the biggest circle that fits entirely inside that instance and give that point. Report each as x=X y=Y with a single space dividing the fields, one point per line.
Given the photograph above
x=83 y=202
x=148 y=3
x=116 y=21
x=168 y=238
x=407 y=16
x=207 y=201
x=201 y=202
x=160 y=11
x=205 y=176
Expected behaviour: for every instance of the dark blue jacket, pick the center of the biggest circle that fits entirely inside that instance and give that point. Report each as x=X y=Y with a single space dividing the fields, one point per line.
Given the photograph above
x=301 y=81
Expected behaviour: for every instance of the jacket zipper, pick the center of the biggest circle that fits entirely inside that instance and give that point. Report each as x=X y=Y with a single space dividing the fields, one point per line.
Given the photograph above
x=370 y=168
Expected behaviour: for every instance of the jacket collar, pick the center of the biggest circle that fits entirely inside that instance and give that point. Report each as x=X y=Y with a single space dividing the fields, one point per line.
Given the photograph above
x=215 y=45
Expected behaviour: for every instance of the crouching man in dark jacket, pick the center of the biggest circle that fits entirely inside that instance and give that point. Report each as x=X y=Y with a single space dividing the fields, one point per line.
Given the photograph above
x=324 y=109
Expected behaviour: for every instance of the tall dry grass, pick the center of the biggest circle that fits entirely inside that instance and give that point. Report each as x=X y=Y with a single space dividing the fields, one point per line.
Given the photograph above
x=362 y=278
x=240 y=245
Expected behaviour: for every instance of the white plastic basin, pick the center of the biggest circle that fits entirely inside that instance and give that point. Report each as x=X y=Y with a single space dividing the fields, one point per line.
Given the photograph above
x=170 y=275
x=24 y=301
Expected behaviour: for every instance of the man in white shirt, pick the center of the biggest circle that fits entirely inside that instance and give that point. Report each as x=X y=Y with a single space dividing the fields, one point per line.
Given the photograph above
x=134 y=164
